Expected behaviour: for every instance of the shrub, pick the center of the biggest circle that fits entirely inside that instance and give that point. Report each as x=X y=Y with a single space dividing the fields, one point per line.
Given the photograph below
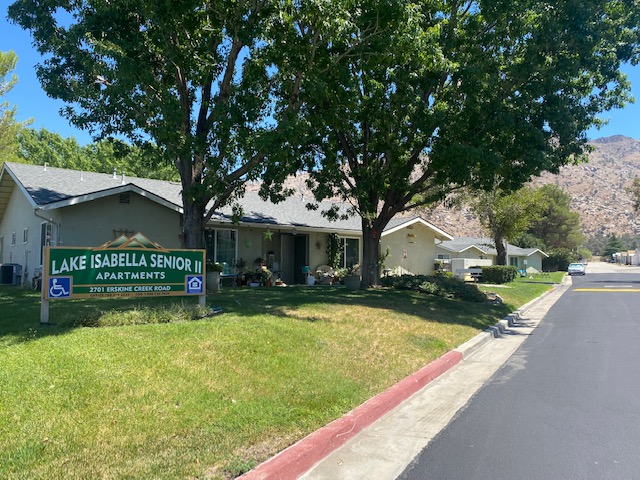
x=499 y=274
x=439 y=285
x=558 y=260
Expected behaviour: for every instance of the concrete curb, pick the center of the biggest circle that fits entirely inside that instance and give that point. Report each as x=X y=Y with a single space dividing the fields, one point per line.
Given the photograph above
x=300 y=457
x=494 y=331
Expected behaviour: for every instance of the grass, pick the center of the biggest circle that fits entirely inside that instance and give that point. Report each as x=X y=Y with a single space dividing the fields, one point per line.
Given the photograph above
x=157 y=391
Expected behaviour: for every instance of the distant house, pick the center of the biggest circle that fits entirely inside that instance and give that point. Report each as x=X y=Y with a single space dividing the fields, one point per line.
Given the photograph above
x=465 y=252
x=629 y=257
x=52 y=206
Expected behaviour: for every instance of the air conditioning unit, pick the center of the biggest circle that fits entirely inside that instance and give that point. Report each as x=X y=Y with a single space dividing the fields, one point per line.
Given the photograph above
x=10 y=274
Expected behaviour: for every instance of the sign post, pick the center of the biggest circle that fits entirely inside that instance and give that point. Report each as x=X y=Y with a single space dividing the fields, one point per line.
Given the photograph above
x=126 y=267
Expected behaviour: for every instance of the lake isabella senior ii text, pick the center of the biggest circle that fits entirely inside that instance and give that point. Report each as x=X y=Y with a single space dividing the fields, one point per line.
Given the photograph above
x=101 y=260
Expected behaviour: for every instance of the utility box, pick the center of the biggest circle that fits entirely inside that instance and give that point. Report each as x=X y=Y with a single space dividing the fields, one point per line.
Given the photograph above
x=10 y=274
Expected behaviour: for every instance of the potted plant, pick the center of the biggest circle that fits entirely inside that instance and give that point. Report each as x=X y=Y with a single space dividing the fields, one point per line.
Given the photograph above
x=352 y=278
x=241 y=270
x=254 y=279
x=213 y=276
x=266 y=276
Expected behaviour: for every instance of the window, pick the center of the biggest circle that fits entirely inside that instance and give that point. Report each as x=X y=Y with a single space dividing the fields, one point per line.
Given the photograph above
x=25 y=235
x=350 y=252
x=221 y=247
x=444 y=256
x=513 y=261
x=13 y=239
x=45 y=238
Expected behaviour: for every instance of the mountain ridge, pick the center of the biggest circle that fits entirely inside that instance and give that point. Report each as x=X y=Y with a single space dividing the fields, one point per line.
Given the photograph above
x=598 y=190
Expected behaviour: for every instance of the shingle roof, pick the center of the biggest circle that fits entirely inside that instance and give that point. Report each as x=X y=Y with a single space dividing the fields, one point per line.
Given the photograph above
x=460 y=244
x=292 y=212
x=53 y=187
x=50 y=185
x=56 y=187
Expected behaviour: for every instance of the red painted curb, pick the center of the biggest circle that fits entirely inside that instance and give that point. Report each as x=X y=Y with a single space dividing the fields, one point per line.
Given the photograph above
x=297 y=459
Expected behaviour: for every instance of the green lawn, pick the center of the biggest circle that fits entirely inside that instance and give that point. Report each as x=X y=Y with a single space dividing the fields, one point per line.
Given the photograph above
x=136 y=388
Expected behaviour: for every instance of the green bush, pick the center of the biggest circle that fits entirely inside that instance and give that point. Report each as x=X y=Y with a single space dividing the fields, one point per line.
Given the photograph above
x=499 y=274
x=558 y=260
x=439 y=285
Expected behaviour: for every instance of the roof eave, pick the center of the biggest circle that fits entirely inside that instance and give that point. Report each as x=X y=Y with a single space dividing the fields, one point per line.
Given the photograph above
x=288 y=228
x=130 y=187
x=440 y=234
x=7 y=169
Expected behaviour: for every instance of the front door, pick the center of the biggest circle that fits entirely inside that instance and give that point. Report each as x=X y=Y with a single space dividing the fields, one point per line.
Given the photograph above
x=293 y=257
x=286 y=259
x=300 y=257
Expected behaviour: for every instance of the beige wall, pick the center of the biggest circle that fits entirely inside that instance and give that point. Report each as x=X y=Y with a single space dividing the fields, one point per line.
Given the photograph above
x=250 y=245
x=416 y=257
x=318 y=249
x=87 y=224
x=534 y=260
x=91 y=224
x=19 y=216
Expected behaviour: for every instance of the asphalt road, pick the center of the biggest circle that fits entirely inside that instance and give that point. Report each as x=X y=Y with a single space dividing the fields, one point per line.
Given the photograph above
x=566 y=405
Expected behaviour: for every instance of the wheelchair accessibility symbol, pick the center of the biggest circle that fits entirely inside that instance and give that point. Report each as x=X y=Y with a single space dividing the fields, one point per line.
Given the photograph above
x=60 y=287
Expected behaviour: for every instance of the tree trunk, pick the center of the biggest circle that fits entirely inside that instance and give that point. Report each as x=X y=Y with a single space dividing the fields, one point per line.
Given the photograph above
x=192 y=223
x=501 y=258
x=370 y=265
x=193 y=204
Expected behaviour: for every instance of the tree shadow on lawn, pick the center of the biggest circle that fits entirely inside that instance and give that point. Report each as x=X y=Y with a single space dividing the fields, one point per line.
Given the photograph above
x=20 y=308
x=280 y=302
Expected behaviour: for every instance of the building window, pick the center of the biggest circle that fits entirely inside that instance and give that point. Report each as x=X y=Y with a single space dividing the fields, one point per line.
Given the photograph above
x=513 y=261
x=222 y=247
x=444 y=256
x=350 y=252
x=13 y=239
x=45 y=238
x=25 y=235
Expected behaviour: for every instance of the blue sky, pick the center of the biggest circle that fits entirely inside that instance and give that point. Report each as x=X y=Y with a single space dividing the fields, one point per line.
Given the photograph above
x=32 y=102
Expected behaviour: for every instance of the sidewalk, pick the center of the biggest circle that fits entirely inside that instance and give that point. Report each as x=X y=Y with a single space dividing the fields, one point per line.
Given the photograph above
x=377 y=440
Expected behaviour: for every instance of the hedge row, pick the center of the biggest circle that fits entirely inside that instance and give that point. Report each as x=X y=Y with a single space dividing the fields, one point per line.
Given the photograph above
x=499 y=274
x=439 y=285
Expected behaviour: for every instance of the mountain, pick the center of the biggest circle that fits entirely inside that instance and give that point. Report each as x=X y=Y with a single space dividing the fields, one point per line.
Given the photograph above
x=597 y=188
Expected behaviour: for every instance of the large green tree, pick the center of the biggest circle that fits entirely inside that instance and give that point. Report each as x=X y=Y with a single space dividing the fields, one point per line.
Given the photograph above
x=188 y=76
x=9 y=126
x=614 y=245
x=408 y=101
x=557 y=225
x=507 y=215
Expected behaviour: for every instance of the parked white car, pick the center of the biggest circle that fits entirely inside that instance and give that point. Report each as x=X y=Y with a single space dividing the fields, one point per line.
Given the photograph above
x=576 y=269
